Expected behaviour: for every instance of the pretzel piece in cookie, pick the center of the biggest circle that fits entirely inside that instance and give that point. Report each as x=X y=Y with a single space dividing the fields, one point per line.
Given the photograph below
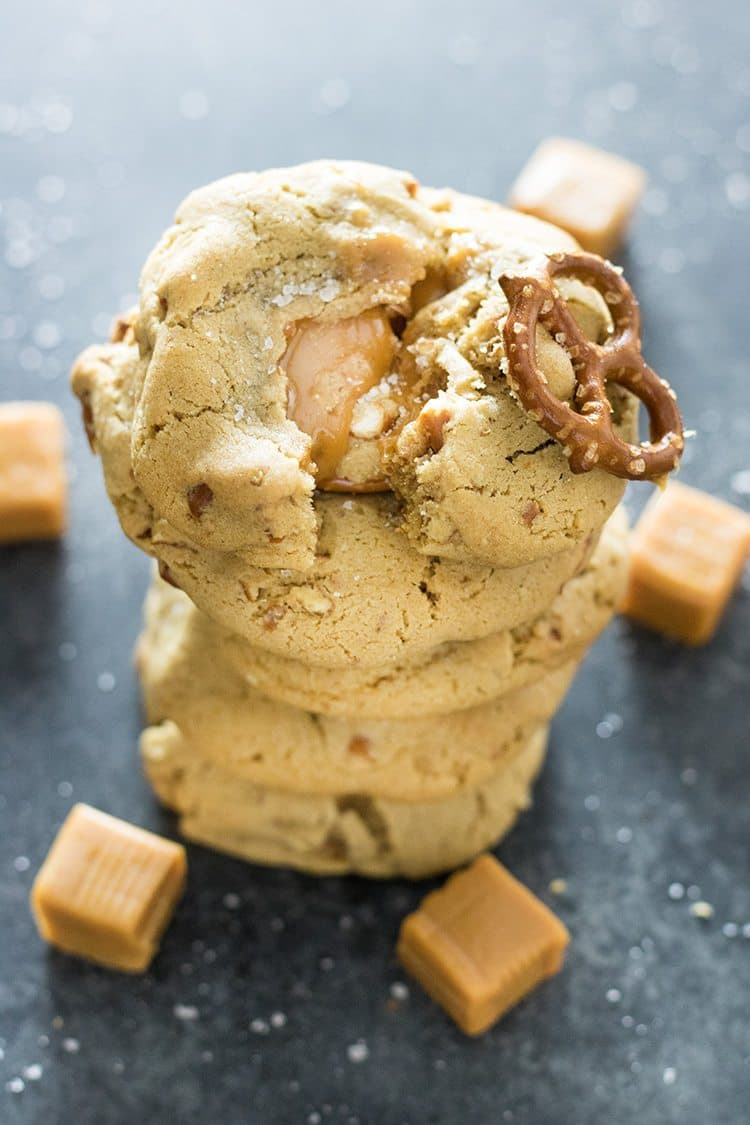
x=585 y=428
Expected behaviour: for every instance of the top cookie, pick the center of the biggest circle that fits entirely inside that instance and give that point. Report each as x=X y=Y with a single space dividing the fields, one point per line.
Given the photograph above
x=337 y=326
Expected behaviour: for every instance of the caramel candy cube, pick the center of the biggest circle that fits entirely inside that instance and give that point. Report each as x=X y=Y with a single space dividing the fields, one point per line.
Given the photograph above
x=107 y=890
x=32 y=471
x=687 y=555
x=481 y=943
x=589 y=193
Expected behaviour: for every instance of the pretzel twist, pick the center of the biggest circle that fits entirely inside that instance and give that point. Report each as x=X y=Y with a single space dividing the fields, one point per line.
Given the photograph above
x=585 y=428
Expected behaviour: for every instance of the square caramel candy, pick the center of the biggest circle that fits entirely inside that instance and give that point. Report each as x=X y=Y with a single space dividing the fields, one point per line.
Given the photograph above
x=32 y=471
x=589 y=193
x=107 y=890
x=687 y=554
x=481 y=943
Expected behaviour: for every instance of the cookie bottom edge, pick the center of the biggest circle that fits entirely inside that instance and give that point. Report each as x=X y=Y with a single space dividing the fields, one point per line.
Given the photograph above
x=354 y=834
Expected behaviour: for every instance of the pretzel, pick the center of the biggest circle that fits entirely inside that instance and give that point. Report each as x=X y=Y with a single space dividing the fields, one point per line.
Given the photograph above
x=585 y=429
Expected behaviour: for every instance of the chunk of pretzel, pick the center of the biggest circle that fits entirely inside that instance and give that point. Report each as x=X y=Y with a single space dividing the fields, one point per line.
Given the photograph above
x=585 y=429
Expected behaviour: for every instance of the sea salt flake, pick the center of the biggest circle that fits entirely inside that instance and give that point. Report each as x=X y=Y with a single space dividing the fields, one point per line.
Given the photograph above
x=737 y=188
x=329 y=290
x=187 y=1013
x=335 y=93
x=702 y=910
x=740 y=482
x=358 y=1052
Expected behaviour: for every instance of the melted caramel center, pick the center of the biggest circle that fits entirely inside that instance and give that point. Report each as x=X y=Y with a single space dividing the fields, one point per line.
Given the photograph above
x=329 y=367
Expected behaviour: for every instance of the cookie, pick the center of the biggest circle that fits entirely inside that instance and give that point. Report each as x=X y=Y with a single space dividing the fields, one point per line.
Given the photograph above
x=332 y=835
x=369 y=599
x=206 y=707
x=217 y=410
x=447 y=678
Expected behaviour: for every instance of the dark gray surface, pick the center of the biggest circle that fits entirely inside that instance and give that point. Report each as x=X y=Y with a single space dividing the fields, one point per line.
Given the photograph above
x=99 y=95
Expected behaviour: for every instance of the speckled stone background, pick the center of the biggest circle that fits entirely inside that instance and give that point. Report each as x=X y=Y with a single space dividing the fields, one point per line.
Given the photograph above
x=276 y=997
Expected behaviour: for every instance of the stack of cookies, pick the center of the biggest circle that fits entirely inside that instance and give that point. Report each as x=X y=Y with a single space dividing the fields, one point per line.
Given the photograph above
x=377 y=570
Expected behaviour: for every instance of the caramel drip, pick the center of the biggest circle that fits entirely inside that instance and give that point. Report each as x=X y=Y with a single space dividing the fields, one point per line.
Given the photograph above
x=412 y=385
x=431 y=288
x=329 y=367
